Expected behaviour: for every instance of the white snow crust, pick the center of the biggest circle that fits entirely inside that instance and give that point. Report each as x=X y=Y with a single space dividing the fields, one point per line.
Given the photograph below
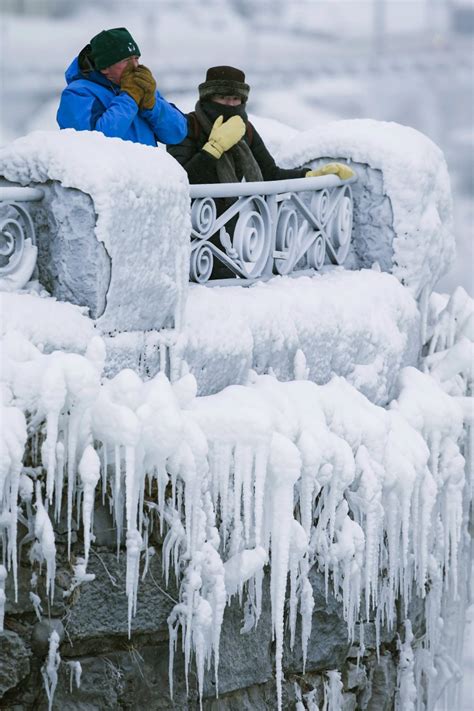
x=46 y=323
x=362 y=325
x=141 y=199
x=415 y=179
x=294 y=473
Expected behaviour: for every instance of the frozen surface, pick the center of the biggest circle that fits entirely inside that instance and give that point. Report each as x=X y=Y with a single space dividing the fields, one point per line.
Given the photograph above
x=360 y=325
x=415 y=178
x=44 y=322
x=296 y=473
x=140 y=197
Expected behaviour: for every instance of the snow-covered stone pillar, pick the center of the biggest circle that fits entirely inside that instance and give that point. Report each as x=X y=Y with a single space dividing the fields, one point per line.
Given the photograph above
x=402 y=197
x=113 y=227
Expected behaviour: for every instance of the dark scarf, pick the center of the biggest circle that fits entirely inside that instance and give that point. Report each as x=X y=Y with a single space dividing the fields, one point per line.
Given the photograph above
x=239 y=155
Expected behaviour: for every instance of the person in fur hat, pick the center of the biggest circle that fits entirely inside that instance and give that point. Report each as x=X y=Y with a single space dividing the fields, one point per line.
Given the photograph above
x=108 y=90
x=222 y=146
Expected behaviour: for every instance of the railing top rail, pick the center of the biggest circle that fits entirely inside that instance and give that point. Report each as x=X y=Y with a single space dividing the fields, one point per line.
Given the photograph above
x=268 y=187
x=20 y=194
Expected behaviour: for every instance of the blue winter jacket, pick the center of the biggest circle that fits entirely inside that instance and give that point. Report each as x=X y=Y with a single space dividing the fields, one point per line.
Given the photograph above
x=91 y=102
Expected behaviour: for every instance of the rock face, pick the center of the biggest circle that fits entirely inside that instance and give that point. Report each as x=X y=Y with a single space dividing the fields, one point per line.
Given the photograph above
x=132 y=673
x=72 y=264
x=14 y=661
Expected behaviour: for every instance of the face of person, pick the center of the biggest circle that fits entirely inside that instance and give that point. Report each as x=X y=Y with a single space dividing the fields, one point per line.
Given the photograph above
x=115 y=71
x=227 y=100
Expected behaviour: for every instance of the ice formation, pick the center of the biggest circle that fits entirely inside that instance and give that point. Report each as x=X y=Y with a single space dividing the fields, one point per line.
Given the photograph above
x=49 y=670
x=415 y=178
x=359 y=324
x=287 y=473
x=140 y=196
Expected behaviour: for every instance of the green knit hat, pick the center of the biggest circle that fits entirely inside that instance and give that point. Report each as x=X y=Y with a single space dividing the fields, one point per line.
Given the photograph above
x=111 y=46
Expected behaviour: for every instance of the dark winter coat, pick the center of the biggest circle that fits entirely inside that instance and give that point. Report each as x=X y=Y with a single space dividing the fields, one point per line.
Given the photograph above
x=201 y=165
x=91 y=102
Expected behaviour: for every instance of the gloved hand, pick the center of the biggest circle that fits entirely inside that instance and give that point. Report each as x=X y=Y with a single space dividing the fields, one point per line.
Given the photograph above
x=340 y=169
x=129 y=84
x=145 y=79
x=224 y=135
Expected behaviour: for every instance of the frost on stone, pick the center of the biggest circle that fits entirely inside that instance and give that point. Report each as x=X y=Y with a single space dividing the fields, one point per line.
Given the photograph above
x=268 y=476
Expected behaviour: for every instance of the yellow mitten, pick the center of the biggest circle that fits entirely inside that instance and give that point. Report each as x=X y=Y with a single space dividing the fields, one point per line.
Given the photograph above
x=340 y=169
x=145 y=79
x=129 y=85
x=224 y=135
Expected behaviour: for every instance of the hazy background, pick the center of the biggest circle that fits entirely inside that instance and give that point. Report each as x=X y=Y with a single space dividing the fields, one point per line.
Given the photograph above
x=308 y=61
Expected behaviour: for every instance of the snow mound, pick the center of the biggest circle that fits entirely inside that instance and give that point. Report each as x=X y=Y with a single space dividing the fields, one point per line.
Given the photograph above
x=415 y=179
x=362 y=325
x=141 y=201
x=46 y=323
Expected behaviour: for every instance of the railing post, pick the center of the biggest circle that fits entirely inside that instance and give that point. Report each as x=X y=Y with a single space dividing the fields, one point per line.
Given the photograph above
x=273 y=209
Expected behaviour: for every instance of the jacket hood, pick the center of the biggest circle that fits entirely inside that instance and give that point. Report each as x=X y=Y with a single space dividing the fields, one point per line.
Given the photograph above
x=81 y=68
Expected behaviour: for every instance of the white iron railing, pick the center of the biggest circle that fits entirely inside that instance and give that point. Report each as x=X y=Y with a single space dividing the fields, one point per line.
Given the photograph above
x=277 y=227
x=16 y=226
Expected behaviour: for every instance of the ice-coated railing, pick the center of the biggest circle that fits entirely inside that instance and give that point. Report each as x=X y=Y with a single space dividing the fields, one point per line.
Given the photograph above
x=272 y=227
x=16 y=226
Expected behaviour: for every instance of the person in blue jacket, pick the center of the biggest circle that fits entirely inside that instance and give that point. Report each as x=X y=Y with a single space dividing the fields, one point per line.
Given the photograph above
x=109 y=91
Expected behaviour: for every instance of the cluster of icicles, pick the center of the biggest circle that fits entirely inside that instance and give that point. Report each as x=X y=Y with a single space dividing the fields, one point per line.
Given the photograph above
x=289 y=474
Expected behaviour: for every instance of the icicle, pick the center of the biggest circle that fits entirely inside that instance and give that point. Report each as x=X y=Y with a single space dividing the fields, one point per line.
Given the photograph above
x=73 y=426
x=285 y=467
x=89 y=472
x=49 y=670
x=307 y=607
x=117 y=498
x=261 y=458
x=131 y=488
x=333 y=697
x=75 y=669
x=3 y=597
x=406 y=687
x=36 y=602
x=58 y=486
x=298 y=548
x=53 y=398
x=45 y=536
x=105 y=464
x=134 y=546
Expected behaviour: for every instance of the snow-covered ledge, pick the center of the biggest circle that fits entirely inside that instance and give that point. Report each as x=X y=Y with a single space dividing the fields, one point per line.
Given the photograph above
x=113 y=226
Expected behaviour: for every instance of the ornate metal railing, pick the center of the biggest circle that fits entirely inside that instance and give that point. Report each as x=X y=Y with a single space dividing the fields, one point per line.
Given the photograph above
x=266 y=228
x=16 y=226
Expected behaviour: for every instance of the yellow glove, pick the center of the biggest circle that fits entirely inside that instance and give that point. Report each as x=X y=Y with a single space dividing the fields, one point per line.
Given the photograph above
x=129 y=85
x=145 y=79
x=224 y=135
x=340 y=169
